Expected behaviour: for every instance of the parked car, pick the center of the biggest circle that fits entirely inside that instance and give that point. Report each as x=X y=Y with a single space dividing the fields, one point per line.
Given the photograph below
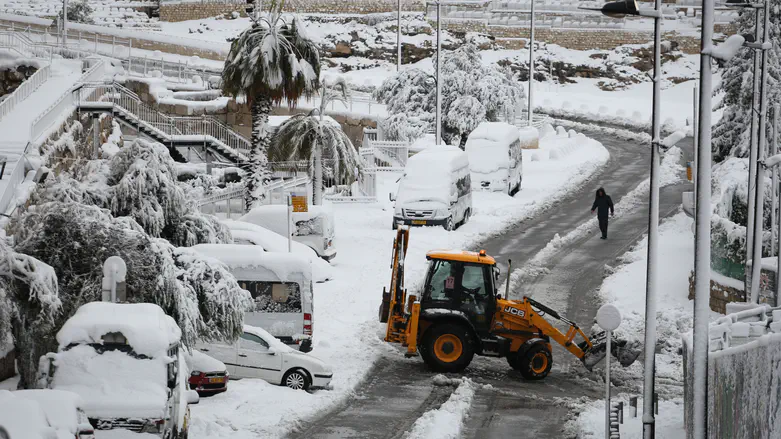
x=125 y=361
x=314 y=228
x=208 y=376
x=280 y=285
x=495 y=157
x=435 y=190
x=245 y=233
x=258 y=354
x=39 y=414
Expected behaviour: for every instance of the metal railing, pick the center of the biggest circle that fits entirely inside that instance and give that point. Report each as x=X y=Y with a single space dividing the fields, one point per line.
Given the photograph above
x=171 y=70
x=170 y=127
x=14 y=180
x=24 y=90
x=43 y=123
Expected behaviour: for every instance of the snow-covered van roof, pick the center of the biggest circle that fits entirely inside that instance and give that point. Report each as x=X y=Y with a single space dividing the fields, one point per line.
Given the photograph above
x=246 y=259
x=59 y=407
x=148 y=330
x=447 y=158
x=497 y=132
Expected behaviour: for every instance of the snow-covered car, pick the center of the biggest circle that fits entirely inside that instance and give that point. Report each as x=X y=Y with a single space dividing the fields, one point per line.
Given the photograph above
x=280 y=285
x=125 y=361
x=258 y=354
x=208 y=376
x=495 y=157
x=314 y=228
x=245 y=233
x=47 y=413
x=435 y=190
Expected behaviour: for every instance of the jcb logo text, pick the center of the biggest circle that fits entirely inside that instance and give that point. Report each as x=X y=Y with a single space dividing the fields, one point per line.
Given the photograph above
x=516 y=311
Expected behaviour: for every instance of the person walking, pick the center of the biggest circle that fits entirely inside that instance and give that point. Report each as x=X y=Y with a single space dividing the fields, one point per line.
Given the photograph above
x=602 y=204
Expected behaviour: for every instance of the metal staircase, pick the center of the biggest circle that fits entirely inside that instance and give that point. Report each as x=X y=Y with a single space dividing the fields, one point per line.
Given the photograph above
x=179 y=134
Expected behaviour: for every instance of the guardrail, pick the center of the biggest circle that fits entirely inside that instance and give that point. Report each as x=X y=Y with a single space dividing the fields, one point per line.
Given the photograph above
x=25 y=90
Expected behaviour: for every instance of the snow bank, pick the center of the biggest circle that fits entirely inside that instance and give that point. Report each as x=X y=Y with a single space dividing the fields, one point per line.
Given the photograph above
x=145 y=326
x=113 y=384
x=447 y=421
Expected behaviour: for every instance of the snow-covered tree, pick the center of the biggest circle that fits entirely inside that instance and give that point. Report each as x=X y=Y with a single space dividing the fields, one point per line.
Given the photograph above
x=298 y=137
x=75 y=239
x=271 y=62
x=731 y=135
x=79 y=12
x=140 y=182
x=471 y=93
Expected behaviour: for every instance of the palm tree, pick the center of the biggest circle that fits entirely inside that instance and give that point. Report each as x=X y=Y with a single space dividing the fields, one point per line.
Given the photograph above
x=269 y=63
x=308 y=136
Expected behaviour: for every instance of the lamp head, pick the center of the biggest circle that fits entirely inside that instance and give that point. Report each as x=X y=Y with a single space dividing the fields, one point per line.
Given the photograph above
x=620 y=9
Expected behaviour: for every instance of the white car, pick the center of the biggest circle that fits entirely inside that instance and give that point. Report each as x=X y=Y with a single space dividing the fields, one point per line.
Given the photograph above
x=257 y=354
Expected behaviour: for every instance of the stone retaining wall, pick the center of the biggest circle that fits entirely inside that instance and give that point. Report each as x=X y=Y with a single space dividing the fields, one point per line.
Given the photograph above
x=354 y=6
x=174 y=12
x=720 y=295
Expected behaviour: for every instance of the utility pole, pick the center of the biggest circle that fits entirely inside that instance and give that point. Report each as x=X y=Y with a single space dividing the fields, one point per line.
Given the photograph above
x=696 y=135
x=531 y=65
x=773 y=150
x=64 y=23
x=756 y=264
x=754 y=146
x=702 y=230
x=438 y=132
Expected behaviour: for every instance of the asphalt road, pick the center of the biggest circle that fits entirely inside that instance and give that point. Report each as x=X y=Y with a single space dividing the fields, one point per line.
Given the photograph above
x=398 y=390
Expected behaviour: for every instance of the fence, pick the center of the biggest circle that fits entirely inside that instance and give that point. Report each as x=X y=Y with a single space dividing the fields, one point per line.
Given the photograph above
x=385 y=154
x=25 y=90
x=275 y=193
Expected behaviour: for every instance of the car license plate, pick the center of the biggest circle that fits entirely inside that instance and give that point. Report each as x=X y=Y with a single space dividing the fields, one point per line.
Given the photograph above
x=216 y=380
x=419 y=222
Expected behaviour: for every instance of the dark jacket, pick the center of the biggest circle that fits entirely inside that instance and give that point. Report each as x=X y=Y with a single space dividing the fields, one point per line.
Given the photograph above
x=602 y=203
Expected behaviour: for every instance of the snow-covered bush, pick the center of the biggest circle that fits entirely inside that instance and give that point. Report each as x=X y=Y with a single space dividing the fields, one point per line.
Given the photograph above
x=471 y=93
x=79 y=12
x=75 y=239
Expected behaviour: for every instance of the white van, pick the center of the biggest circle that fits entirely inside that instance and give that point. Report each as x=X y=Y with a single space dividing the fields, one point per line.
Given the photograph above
x=280 y=285
x=314 y=228
x=125 y=361
x=435 y=190
x=495 y=157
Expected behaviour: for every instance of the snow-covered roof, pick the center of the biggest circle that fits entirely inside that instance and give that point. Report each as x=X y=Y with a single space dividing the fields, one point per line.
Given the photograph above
x=446 y=158
x=200 y=362
x=146 y=327
x=59 y=407
x=251 y=259
x=496 y=132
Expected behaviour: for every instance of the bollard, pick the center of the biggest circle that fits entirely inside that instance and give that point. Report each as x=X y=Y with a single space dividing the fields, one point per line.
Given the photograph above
x=656 y=403
x=633 y=407
x=621 y=412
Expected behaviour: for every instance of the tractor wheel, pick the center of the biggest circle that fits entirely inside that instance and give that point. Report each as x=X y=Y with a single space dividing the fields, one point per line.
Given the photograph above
x=447 y=348
x=534 y=364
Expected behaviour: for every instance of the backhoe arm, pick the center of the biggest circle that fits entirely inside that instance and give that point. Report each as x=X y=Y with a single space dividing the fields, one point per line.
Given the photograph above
x=567 y=340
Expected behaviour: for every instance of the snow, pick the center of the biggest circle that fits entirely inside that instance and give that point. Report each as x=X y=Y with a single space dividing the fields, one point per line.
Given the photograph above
x=146 y=327
x=113 y=384
x=274 y=242
x=350 y=338
x=318 y=220
x=488 y=147
x=429 y=175
x=198 y=361
x=61 y=408
x=669 y=421
x=495 y=132
x=729 y=48
x=23 y=418
x=248 y=258
x=447 y=421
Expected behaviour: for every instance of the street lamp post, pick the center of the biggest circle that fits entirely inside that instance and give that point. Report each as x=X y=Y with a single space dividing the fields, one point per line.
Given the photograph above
x=756 y=265
x=530 y=111
x=438 y=133
x=64 y=23
x=753 y=145
x=398 y=38
x=619 y=9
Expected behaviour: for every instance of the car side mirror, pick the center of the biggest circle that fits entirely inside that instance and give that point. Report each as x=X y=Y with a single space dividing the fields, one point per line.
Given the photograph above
x=192 y=397
x=272 y=351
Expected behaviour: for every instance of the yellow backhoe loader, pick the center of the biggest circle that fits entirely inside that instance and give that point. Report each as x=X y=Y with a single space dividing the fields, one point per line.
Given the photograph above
x=459 y=314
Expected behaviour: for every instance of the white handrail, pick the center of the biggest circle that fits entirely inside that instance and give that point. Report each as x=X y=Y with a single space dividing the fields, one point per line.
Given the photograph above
x=24 y=90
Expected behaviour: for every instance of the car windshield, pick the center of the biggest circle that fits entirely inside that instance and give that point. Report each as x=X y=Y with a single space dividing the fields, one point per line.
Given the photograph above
x=113 y=382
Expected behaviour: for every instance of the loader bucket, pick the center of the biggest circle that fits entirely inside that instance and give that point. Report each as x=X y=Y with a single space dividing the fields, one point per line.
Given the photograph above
x=626 y=352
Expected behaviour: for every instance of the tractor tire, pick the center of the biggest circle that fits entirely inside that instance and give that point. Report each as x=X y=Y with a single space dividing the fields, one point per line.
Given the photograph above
x=447 y=348
x=534 y=364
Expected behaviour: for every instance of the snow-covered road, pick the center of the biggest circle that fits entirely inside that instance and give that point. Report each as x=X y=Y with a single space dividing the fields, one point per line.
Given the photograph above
x=347 y=332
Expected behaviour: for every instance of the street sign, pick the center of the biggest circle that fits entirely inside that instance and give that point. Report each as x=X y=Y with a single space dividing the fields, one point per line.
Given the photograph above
x=299 y=202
